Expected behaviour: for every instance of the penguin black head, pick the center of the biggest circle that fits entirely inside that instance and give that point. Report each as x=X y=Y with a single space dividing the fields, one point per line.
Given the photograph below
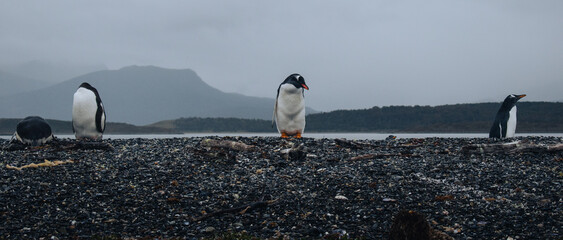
x=510 y=101
x=297 y=80
x=89 y=87
x=391 y=137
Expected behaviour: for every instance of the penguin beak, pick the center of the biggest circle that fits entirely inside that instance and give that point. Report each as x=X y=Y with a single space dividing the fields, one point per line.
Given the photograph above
x=521 y=96
x=306 y=87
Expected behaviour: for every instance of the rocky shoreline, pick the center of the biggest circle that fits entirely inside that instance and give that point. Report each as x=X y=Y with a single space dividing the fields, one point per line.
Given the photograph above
x=269 y=187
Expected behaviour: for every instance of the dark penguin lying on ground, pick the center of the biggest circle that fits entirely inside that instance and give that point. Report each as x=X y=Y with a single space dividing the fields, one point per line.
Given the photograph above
x=33 y=131
x=504 y=125
x=88 y=114
x=289 y=110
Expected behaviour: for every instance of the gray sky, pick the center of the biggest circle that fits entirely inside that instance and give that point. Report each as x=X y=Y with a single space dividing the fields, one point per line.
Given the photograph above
x=353 y=54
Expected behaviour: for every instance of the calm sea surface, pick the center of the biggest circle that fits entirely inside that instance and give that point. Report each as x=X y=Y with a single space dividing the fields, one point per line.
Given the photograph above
x=351 y=136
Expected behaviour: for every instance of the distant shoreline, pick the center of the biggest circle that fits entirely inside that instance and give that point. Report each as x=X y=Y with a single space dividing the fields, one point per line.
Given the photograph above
x=533 y=117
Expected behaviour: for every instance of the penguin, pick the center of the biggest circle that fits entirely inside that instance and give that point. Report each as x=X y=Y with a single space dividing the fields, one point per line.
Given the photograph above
x=289 y=109
x=88 y=114
x=504 y=125
x=391 y=137
x=34 y=131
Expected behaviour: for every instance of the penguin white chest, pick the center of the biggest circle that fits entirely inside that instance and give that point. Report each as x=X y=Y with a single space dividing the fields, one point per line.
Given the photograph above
x=511 y=124
x=84 y=109
x=290 y=109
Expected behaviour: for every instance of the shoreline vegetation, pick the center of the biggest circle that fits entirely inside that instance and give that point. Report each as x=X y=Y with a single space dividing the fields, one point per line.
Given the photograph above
x=273 y=188
x=533 y=117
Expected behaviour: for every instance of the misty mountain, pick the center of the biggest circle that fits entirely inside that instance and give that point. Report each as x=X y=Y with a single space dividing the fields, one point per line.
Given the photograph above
x=13 y=84
x=140 y=95
x=50 y=72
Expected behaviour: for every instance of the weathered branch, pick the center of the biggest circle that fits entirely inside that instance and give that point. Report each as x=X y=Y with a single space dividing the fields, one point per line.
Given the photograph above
x=382 y=155
x=227 y=144
x=510 y=148
x=46 y=163
x=352 y=144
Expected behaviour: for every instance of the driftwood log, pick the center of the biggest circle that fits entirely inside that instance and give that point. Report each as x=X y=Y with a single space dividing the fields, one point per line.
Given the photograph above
x=352 y=144
x=46 y=163
x=344 y=143
x=511 y=148
x=238 y=146
x=382 y=155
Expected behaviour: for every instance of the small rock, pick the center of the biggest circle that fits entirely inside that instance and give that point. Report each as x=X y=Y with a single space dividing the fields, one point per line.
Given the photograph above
x=340 y=197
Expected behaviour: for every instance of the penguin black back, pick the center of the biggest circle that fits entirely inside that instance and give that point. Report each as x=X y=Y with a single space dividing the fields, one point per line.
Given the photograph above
x=33 y=130
x=501 y=126
x=100 y=111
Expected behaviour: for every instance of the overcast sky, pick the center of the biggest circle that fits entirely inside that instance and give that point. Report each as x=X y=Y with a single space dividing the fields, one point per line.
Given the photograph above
x=353 y=54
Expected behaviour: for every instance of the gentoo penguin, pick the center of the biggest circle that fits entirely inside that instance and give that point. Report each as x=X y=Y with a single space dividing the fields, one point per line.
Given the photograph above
x=33 y=131
x=505 y=121
x=88 y=114
x=289 y=110
x=391 y=137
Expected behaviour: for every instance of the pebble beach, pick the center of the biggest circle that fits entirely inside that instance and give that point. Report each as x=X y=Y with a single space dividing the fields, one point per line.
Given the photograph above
x=273 y=188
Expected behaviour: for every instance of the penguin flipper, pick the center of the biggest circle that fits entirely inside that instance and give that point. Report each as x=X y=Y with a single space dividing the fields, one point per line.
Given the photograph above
x=503 y=125
x=100 y=118
x=274 y=114
x=495 y=130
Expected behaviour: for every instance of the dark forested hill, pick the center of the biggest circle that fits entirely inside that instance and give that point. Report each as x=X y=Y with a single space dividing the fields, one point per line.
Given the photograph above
x=533 y=117
x=459 y=118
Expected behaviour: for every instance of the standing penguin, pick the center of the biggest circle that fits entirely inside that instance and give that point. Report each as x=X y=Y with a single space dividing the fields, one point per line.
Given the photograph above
x=289 y=110
x=505 y=121
x=88 y=114
x=34 y=131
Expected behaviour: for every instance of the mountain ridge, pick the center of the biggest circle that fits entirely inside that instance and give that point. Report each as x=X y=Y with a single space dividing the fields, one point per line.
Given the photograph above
x=140 y=95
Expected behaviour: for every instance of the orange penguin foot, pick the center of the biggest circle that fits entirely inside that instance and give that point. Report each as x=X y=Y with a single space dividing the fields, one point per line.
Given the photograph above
x=291 y=134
